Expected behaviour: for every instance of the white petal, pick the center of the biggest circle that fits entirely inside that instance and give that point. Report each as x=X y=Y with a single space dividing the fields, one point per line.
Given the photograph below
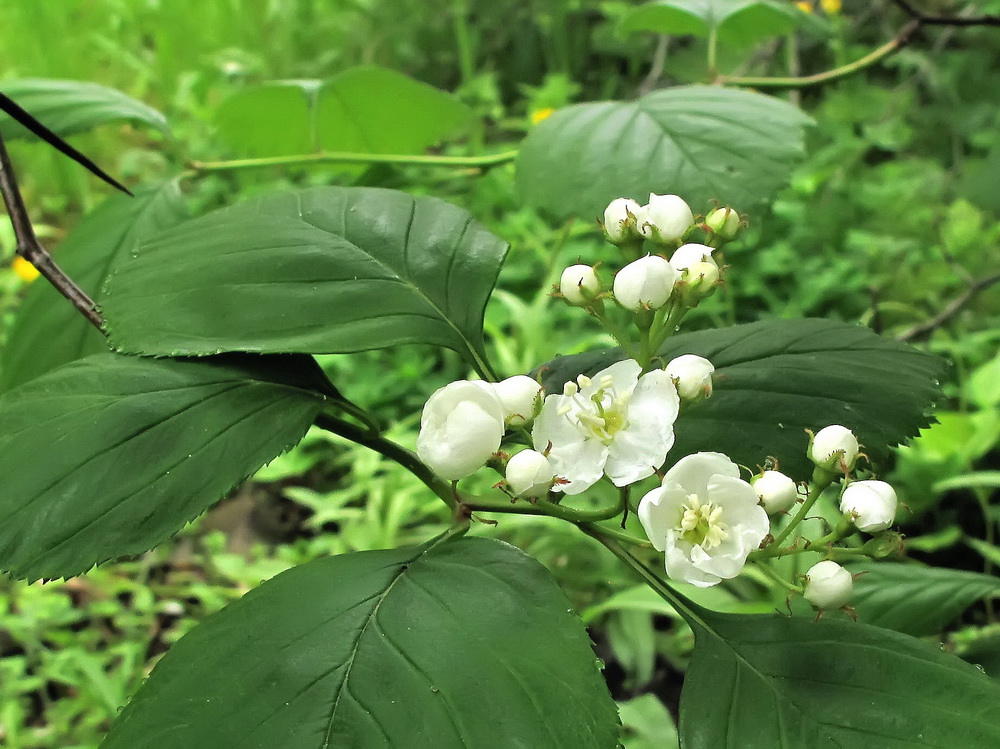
x=680 y=567
x=693 y=472
x=624 y=377
x=580 y=463
x=659 y=512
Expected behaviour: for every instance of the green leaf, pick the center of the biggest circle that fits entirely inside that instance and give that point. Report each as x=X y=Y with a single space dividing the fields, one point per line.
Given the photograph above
x=47 y=330
x=107 y=456
x=777 y=378
x=914 y=599
x=736 y=21
x=360 y=110
x=68 y=107
x=646 y=724
x=323 y=270
x=467 y=643
x=764 y=681
x=700 y=142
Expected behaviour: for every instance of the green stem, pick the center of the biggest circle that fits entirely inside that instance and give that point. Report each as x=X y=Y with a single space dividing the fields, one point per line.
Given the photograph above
x=598 y=311
x=393 y=451
x=543 y=507
x=668 y=594
x=821 y=480
x=775 y=577
x=198 y=168
x=894 y=45
x=463 y=42
x=713 y=45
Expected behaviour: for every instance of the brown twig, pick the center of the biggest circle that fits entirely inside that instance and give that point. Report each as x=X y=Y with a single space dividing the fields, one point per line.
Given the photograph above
x=950 y=310
x=31 y=249
x=988 y=19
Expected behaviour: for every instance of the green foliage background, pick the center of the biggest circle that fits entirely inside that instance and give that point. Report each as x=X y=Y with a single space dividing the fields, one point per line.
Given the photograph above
x=891 y=214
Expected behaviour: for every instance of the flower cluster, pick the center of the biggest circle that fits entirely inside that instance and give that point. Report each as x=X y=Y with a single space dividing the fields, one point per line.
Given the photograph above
x=707 y=515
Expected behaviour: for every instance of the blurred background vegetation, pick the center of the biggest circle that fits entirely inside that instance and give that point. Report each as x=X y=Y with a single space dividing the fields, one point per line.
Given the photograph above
x=891 y=217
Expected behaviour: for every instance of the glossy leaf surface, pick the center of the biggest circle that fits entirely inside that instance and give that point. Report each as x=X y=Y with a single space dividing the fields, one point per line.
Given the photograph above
x=466 y=643
x=109 y=455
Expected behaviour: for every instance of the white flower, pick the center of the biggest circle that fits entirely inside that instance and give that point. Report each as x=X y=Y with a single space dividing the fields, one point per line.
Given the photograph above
x=777 y=491
x=725 y=222
x=828 y=585
x=688 y=255
x=619 y=219
x=617 y=423
x=706 y=519
x=579 y=284
x=645 y=283
x=529 y=474
x=692 y=375
x=519 y=396
x=460 y=428
x=871 y=505
x=665 y=218
x=834 y=447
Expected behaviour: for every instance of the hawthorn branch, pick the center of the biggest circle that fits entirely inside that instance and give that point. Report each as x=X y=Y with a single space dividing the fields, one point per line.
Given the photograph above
x=902 y=38
x=32 y=250
x=927 y=327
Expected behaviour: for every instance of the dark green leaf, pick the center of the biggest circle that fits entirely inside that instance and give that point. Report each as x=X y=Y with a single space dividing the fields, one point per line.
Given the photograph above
x=68 y=107
x=914 y=599
x=48 y=331
x=777 y=378
x=765 y=681
x=324 y=270
x=700 y=142
x=361 y=110
x=647 y=724
x=107 y=456
x=451 y=644
x=739 y=21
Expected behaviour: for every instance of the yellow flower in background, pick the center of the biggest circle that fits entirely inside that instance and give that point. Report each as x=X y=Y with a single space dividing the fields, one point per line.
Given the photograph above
x=831 y=6
x=540 y=114
x=804 y=6
x=24 y=270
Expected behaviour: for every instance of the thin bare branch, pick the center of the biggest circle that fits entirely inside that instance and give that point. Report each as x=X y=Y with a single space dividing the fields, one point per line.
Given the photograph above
x=31 y=249
x=927 y=327
x=987 y=19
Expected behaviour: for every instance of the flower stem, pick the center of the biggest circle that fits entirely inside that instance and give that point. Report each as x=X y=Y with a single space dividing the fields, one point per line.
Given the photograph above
x=821 y=480
x=197 y=168
x=772 y=575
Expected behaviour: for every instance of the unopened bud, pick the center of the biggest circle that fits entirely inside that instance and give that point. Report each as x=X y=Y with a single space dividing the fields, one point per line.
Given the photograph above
x=646 y=283
x=871 y=505
x=529 y=474
x=692 y=375
x=777 y=491
x=724 y=222
x=520 y=396
x=579 y=285
x=834 y=448
x=620 y=220
x=828 y=585
x=665 y=219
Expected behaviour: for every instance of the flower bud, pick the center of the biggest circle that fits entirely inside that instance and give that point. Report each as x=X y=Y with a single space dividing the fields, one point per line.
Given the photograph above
x=688 y=255
x=828 y=585
x=645 y=283
x=666 y=218
x=620 y=220
x=871 y=505
x=834 y=448
x=886 y=545
x=692 y=375
x=777 y=491
x=461 y=426
x=579 y=284
x=724 y=222
x=529 y=474
x=520 y=398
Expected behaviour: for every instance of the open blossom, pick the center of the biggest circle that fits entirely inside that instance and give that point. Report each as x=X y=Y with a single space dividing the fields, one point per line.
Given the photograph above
x=616 y=423
x=871 y=505
x=461 y=426
x=705 y=518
